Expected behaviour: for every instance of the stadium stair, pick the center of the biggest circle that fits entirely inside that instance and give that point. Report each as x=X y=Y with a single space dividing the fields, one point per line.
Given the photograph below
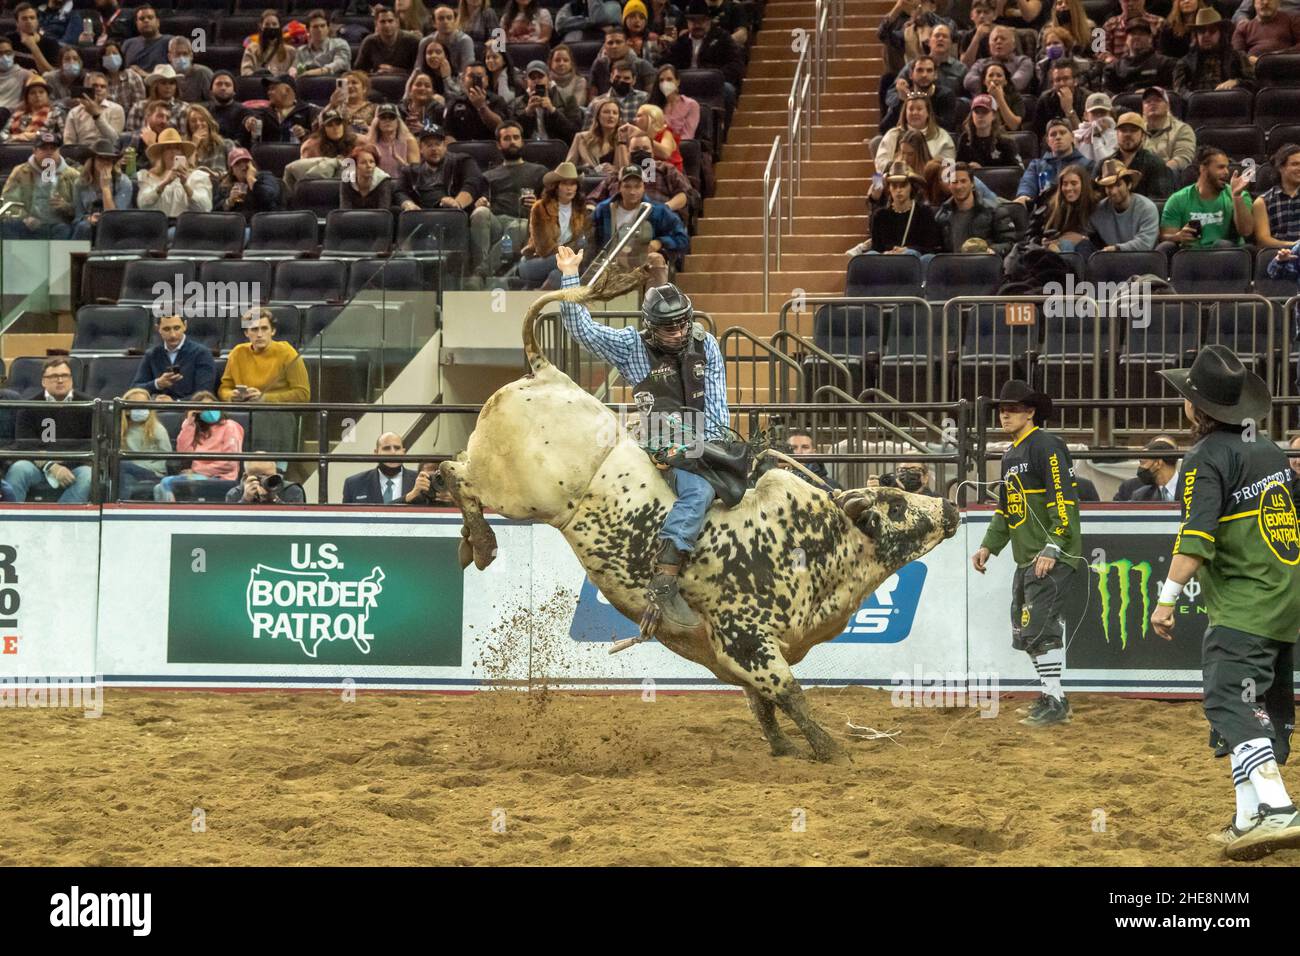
x=724 y=273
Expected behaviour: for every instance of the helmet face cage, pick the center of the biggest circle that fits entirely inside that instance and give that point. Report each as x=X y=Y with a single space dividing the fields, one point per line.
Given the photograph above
x=665 y=330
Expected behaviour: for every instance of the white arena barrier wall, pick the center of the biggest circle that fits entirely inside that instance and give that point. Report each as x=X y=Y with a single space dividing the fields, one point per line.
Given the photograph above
x=227 y=597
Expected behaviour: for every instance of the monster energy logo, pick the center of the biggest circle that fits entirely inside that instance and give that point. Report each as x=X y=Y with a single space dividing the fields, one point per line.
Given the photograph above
x=1123 y=571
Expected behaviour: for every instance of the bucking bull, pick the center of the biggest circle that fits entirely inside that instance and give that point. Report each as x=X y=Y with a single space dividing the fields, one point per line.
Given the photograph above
x=772 y=577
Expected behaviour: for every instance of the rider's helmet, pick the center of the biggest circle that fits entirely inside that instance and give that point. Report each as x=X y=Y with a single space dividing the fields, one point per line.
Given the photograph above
x=665 y=312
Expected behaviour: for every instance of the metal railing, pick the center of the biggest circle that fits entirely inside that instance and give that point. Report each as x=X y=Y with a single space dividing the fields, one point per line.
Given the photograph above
x=912 y=349
x=771 y=206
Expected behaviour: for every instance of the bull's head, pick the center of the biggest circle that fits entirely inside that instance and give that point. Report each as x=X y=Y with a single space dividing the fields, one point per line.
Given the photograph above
x=899 y=527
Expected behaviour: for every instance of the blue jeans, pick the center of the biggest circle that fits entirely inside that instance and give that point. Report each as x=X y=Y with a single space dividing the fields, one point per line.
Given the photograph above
x=24 y=475
x=163 y=491
x=537 y=271
x=6 y=492
x=686 y=517
x=132 y=477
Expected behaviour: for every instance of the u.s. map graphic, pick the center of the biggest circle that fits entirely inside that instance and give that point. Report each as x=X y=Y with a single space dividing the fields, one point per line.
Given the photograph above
x=308 y=607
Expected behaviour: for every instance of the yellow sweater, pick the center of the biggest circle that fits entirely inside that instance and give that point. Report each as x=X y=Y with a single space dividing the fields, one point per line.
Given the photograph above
x=278 y=372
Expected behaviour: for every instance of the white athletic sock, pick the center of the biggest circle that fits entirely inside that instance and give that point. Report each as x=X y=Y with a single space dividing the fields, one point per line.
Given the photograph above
x=1256 y=757
x=1050 y=665
x=1247 y=800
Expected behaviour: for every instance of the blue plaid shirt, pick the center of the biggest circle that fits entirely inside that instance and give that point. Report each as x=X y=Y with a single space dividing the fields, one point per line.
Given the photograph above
x=624 y=349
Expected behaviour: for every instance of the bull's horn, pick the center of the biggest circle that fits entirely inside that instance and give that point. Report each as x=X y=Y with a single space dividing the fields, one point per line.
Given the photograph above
x=853 y=507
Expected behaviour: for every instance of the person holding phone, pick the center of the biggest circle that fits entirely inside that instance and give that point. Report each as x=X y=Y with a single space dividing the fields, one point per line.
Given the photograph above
x=93 y=115
x=1212 y=213
x=172 y=184
x=177 y=366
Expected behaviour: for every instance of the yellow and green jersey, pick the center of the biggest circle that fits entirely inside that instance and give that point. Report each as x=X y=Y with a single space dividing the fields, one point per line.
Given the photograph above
x=1039 y=502
x=1240 y=518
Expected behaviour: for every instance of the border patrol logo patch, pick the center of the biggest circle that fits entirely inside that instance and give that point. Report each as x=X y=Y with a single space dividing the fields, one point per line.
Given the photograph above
x=1278 y=524
x=1024 y=616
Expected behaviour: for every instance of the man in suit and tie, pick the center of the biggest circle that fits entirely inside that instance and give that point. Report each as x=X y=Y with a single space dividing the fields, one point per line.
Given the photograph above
x=1130 y=485
x=390 y=483
x=1158 y=475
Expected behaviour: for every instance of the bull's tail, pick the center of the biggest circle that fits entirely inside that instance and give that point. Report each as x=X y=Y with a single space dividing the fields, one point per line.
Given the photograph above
x=612 y=283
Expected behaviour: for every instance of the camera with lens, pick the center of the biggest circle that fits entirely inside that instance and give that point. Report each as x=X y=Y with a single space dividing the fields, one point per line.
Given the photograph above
x=271 y=483
x=908 y=479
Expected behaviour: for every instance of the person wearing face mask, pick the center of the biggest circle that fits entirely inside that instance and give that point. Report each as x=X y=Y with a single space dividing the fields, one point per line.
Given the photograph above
x=622 y=94
x=141 y=432
x=681 y=112
x=67 y=76
x=204 y=432
x=125 y=87
x=1056 y=50
x=544 y=111
x=616 y=53
x=1129 y=486
x=177 y=366
x=194 y=79
x=1069 y=17
x=668 y=185
x=389 y=483
x=509 y=191
x=1157 y=475
x=13 y=79
x=266 y=52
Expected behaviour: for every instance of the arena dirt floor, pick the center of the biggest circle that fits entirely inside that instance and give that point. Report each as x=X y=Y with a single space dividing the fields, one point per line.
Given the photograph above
x=306 y=778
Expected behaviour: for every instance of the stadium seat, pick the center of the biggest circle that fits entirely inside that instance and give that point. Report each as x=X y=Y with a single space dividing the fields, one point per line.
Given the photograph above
x=147 y=282
x=1277 y=69
x=1121 y=266
x=273 y=157
x=389 y=89
x=25 y=373
x=1239 y=142
x=952 y=274
x=547 y=152
x=109 y=329
x=317 y=321
x=1283 y=288
x=1028 y=145
x=12 y=155
x=1280 y=134
x=317 y=90
x=282 y=235
x=705 y=87
x=111 y=375
x=1210 y=271
x=484 y=152
x=380 y=276
x=521 y=54
x=232 y=30
x=303 y=282
x=208 y=330
x=585 y=53
x=1219 y=108
x=357 y=234
x=1003 y=180
x=1276 y=105
x=439 y=237
x=318 y=196
x=207 y=235
x=249 y=88
x=221 y=57
x=185 y=25
x=235 y=285
x=130 y=234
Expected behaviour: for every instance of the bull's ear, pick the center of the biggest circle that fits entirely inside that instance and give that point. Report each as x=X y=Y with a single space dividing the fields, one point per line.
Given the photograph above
x=870 y=524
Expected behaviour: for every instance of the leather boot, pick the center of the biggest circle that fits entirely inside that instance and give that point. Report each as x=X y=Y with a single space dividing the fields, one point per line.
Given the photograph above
x=663 y=588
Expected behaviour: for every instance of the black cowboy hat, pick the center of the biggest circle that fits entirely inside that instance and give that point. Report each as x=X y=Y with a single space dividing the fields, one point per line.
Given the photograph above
x=1016 y=392
x=1219 y=385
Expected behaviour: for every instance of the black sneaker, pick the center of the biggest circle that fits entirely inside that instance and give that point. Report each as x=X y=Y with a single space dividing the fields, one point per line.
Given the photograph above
x=1274 y=829
x=1055 y=711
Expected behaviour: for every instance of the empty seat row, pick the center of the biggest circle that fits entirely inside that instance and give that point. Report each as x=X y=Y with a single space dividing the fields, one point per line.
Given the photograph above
x=1189 y=271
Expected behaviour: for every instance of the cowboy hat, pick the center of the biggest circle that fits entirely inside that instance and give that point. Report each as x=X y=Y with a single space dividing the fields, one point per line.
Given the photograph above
x=565 y=172
x=163 y=71
x=1113 y=170
x=1206 y=17
x=169 y=137
x=899 y=172
x=1017 y=392
x=105 y=149
x=1220 y=386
